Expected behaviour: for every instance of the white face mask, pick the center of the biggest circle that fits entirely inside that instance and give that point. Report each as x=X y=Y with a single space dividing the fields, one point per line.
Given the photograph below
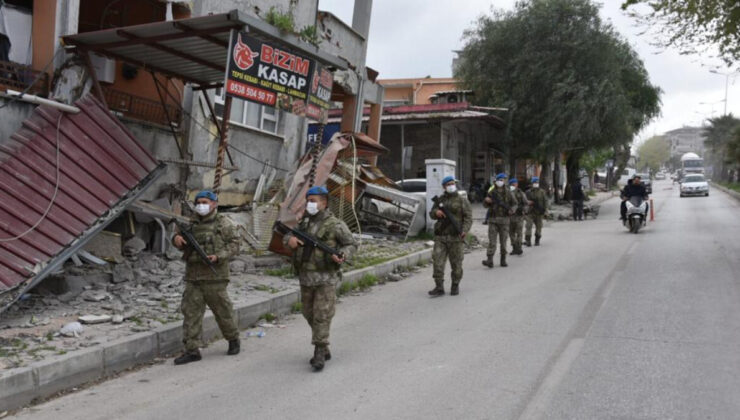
x=499 y=183
x=451 y=188
x=535 y=185
x=202 y=209
x=511 y=187
x=312 y=208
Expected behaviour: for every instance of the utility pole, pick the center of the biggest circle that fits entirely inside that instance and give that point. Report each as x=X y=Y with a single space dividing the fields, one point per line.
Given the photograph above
x=727 y=84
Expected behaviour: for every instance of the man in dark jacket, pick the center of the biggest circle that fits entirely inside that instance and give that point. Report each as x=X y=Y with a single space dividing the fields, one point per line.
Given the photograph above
x=632 y=189
x=577 y=197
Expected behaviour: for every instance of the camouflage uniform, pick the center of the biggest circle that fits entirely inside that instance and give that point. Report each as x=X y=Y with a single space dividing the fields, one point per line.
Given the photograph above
x=517 y=220
x=203 y=287
x=536 y=214
x=499 y=225
x=447 y=242
x=319 y=275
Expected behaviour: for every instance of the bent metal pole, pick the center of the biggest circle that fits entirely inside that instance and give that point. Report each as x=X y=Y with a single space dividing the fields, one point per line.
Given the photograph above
x=222 y=145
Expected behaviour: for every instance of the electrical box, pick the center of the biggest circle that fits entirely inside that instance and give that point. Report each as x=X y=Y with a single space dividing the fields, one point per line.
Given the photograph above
x=105 y=68
x=437 y=170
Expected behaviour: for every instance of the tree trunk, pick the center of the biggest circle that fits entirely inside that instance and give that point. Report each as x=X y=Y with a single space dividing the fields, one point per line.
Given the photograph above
x=556 y=179
x=544 y=174
x=572 y=172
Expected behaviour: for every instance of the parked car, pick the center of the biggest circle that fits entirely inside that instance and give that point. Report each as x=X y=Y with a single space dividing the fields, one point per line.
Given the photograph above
x=626 y=176
x=660 y=176
x=694 y=184
x=645 y=179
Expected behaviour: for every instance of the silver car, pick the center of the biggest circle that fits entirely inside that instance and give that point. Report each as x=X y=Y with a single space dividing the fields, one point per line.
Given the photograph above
x=694 y=184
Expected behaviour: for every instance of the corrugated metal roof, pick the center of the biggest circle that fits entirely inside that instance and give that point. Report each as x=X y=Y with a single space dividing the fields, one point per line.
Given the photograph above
x=102 y=168
x=193 y=49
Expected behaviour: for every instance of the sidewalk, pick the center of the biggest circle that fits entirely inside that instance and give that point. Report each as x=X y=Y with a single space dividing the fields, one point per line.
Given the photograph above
x=731 y=193
x=44 y=379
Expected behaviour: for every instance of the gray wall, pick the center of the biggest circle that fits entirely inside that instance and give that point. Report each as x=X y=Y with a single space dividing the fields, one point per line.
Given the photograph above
x=12 y=116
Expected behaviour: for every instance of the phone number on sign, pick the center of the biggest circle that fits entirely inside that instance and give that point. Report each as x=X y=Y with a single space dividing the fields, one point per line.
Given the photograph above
x=250 y=92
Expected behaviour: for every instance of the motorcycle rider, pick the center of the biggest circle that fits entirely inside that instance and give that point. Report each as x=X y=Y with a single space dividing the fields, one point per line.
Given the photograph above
x=632 y=189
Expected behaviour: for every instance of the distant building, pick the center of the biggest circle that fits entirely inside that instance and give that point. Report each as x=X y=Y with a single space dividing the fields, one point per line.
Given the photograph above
x=686 y=139
x=420 y=91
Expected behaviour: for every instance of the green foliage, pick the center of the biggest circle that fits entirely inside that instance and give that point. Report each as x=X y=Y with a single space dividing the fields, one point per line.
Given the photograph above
x=344 y=288
x=310 y=34
x=283 y=21
x=653 y=153
x=265 y=288
x=284 y=271
x=269 y=317
x=735 y=186
x=423 y=236
x=722 y=139
x=570 y=81
x=692 y=26
x=297 y=308
x=367 y=281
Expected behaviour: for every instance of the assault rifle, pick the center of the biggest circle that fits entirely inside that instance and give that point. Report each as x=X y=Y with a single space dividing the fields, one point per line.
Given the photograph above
x=309 y=242
x=187 y=234
x=499 y=203
x=537 y=207
x=448 y=216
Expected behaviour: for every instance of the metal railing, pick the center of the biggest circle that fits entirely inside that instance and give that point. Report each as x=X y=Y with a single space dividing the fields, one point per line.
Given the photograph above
x=139 y=108
x=19 y=77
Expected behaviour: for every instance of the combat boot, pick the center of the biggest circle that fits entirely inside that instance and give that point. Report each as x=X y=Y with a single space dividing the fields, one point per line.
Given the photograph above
x=188 y=356
x=437 y=291
x=234 y=347
x=537 y=240
x=528 y=241
x=488 y=262
x=503 y=260
x=319 y=358
x=455 y=290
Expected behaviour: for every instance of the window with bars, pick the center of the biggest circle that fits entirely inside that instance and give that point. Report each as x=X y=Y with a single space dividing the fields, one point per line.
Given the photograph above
x=249 y=114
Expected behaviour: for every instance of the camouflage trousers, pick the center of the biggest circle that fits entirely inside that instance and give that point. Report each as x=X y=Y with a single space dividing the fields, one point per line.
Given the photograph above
x=498 y=228
x=318 y=304
x=197 y=295
x=535 y=219
x=515 y=231
x=452 y=248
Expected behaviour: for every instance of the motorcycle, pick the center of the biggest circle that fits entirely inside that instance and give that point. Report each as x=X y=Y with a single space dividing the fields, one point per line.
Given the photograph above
x=636 y=214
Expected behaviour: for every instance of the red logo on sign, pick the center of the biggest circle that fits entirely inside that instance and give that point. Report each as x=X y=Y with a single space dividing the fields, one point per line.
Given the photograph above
x=243 y=55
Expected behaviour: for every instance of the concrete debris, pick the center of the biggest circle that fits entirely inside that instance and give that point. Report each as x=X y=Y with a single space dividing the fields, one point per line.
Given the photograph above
x=94 y=319
x=429 y=244
x=123 y=272
x=92 y=296
x=133 y=247
x=117 y=319
x=73 y=329
x=394 y=277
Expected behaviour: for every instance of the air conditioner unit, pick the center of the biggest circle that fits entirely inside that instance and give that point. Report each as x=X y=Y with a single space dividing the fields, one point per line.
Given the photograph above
x=104 y=67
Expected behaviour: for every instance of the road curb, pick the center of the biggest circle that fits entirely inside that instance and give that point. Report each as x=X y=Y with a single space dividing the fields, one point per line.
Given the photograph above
x=731 y=193
x=43 y=379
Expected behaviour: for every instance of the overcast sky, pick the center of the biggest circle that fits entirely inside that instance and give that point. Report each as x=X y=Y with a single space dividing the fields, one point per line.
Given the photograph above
x=415 y=38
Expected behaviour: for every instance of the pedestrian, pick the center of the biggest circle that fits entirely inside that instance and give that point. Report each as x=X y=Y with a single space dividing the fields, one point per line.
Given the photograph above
x=451 y=211
x=538 y=203
x=319 y=272
x=577 y=196
x=501 y=203
x=516 y=225
x=204 y=286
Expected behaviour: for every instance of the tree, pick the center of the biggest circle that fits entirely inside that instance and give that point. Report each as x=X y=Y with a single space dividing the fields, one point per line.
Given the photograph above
x=594 y=160
x=722 y=138
x=692 y=25
x=654 y=153
x=572 y=83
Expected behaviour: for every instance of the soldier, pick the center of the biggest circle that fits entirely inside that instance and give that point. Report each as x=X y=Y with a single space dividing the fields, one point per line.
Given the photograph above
x=319 y=274
x=448 y=242
x=202 y=286
x=517 y=219
x=501 y=202
x=538 y=203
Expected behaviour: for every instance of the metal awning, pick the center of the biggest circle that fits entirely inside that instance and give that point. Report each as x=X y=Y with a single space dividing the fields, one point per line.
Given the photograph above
x=63 y=178
x=194 y=50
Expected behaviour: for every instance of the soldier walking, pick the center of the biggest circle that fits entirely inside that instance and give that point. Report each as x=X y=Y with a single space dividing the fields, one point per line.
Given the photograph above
x=319 y=273
x=203 y=286
x=516 y=226
x=448 y=241
x=538 y=201
x=501 y=202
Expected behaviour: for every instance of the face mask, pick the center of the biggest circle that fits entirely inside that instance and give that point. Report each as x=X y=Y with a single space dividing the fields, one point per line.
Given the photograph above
x=312 y=208
x=535 y=185
x=499 y=183
x=451 y=188
x=512 y=187
x=202 y=209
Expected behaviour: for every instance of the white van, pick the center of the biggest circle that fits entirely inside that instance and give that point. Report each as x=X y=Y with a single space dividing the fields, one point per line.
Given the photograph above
x=627 y=174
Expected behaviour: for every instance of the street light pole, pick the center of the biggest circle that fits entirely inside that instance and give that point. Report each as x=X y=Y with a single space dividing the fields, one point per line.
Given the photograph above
x=727 y=83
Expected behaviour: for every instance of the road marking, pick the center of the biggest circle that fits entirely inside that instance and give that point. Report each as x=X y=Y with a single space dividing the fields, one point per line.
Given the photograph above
x=537 y=408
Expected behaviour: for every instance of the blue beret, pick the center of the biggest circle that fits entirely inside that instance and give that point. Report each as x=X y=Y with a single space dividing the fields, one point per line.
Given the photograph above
x=207 y=194
x=501 y=176
x=513 y=181
x=535 y=179
x=448 y=178
x=318 y=190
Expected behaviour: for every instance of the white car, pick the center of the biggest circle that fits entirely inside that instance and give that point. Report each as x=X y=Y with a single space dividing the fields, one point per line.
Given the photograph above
x=694 y=184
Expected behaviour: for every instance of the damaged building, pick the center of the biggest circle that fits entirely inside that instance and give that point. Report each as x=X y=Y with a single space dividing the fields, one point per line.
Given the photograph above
x=159 y=67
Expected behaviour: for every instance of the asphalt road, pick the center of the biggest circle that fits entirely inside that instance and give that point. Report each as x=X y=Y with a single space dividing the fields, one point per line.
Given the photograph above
x=597 y=323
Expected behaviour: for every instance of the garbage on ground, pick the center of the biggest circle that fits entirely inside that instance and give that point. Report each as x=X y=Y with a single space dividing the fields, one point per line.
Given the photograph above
x=258 y=334
x=73 y=329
